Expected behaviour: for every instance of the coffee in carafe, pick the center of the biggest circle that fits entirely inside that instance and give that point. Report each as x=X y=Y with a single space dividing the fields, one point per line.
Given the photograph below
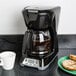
x=41 y=42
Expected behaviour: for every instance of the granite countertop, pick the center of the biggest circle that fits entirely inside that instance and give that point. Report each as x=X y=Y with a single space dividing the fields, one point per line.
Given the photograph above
x=67 y=45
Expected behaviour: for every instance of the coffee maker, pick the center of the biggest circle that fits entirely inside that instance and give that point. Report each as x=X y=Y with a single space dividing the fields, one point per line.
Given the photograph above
x=40 y=43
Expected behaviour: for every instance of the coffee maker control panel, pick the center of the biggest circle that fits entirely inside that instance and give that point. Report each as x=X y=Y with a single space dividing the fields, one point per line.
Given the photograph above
x=30 y=62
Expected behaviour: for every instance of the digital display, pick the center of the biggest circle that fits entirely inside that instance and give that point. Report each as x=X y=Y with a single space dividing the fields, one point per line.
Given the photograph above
x=30 y=61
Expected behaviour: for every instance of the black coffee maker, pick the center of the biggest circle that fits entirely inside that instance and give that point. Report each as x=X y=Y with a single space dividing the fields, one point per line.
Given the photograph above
x=40 y=43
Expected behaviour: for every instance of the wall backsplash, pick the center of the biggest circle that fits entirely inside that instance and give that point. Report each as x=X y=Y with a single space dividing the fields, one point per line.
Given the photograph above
x=11 y=19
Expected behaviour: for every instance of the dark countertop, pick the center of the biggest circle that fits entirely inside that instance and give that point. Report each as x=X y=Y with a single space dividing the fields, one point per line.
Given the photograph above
x=67 y=45
x=52 y=70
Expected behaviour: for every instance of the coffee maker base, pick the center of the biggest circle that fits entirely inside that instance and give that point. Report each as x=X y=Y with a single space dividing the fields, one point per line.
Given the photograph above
x=34 y=63
x=45 y=67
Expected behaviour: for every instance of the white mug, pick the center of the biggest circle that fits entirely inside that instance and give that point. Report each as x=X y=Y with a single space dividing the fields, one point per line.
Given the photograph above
x=7 y=60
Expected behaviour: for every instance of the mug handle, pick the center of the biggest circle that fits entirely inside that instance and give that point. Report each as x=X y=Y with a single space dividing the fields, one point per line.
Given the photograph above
x=1 y=62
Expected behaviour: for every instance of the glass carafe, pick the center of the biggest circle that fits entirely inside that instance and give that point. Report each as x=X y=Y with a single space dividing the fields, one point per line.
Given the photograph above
x=41 y=42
